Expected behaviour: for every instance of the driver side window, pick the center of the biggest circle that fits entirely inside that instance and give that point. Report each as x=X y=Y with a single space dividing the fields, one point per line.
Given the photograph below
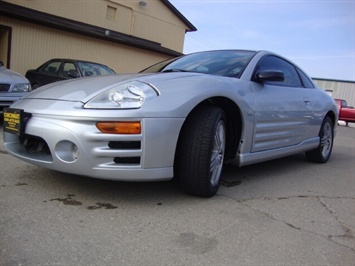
x=275 y=63
x=53 y=67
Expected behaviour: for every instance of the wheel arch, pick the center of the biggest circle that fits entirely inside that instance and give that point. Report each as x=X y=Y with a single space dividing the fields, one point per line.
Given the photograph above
x=332 y=116
x=234 y=122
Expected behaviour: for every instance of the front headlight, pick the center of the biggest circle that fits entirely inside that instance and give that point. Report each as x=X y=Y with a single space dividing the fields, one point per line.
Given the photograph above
x=130 y=95
x=21 y=87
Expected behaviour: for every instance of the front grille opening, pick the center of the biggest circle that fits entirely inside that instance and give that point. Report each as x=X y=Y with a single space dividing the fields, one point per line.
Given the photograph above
x=125 y=145
x=127 y=160
x=4 y=87
x=35 y=144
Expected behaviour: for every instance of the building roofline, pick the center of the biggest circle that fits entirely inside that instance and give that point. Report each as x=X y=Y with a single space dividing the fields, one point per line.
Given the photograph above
x=179 y=15
x=335 y=80
x=48 y=20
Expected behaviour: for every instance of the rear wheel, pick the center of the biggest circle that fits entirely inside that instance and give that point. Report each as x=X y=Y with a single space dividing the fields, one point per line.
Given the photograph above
x=322 y=153
x=200 y=151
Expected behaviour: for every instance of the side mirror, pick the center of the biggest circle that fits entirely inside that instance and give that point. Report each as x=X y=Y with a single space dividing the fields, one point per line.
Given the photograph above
x=73 y=74
x=270 y=75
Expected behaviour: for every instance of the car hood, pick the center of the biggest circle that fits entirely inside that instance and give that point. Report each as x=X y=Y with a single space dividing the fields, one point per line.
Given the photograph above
x=76 y=89
x=9 y=76
x=83 y=89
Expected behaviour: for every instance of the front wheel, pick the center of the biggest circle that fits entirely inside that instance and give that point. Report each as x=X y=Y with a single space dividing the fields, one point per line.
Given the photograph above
x=200 y=152
x=322 y=153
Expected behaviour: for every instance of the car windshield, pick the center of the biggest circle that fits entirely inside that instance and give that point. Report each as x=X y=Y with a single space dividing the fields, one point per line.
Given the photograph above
x=90 y=69
x=227 y=63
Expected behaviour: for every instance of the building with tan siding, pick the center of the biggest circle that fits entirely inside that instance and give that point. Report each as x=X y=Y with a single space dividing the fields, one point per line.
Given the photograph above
x=126 y=35
x=338 y=89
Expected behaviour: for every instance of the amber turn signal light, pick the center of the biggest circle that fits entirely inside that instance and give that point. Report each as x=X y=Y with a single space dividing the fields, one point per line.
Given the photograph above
x=119 y=127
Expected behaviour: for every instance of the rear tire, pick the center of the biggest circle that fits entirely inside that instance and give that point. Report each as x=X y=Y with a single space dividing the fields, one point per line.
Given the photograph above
x=322 y=153
x=200 y=152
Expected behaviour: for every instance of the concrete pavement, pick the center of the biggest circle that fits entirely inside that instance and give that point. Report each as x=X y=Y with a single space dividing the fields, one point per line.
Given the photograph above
x=283 y=212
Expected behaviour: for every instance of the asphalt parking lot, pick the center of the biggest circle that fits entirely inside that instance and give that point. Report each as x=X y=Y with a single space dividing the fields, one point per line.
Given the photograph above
x=284 y=212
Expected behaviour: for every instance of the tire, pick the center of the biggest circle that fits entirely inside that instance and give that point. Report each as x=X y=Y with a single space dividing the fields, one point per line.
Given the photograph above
x=200 y=152
x=322 y=153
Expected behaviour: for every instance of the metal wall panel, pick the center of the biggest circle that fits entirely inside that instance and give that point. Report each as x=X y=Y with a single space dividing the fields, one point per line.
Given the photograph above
x=32 y=45
x=339 y=89
x=131 y=18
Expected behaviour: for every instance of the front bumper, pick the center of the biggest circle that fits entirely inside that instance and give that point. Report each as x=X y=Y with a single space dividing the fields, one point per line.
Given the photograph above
x=76 y=146
x=7 y=99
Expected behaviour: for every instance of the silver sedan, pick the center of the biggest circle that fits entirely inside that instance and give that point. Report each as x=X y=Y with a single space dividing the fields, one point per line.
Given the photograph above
x=181 y=118
x=13 y=86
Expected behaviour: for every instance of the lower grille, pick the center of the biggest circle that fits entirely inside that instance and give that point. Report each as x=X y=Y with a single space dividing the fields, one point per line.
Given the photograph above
x=125 y=145
x=35 y=144
x=127 y=160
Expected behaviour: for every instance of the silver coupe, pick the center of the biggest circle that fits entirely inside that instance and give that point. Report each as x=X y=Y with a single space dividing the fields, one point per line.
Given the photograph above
x=182 y=118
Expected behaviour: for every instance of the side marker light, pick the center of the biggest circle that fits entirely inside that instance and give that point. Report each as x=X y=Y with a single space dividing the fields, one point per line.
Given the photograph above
x=119 y=127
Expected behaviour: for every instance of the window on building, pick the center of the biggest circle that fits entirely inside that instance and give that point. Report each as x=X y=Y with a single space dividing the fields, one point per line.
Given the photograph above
x=111 y=13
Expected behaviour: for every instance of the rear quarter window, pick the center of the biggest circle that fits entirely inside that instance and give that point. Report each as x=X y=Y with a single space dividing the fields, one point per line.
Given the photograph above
x=305 y=80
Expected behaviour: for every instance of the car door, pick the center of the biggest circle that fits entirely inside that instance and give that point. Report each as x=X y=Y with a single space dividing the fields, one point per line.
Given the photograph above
x=283 y=109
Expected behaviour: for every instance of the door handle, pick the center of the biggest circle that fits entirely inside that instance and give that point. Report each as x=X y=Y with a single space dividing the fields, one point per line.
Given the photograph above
x=306 y=100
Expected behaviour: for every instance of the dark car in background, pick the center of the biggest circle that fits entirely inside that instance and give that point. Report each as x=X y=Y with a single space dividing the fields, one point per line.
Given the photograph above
x=62 y=69
x=13 y=86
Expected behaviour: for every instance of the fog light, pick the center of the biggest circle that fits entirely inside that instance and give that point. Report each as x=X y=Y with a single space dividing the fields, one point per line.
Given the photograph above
x=75 y=152
x=67 y=151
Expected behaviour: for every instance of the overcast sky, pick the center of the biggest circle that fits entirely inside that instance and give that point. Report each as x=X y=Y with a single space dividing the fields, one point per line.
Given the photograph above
x=318 y=35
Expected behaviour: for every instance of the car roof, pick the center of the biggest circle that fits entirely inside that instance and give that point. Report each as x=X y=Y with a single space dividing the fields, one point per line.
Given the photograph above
x=73 y=60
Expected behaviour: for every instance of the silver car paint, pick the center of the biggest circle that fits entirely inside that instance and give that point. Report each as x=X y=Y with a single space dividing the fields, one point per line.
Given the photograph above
x=8 y=76
x=161 y=126
x=95 y=158
x=162 y=119
x=265 y=143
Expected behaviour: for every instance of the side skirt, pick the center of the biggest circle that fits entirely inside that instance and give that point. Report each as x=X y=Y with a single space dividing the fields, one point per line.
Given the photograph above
x=257 y=157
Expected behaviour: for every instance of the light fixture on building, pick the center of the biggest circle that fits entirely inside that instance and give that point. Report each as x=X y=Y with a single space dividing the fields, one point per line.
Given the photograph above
x=142 y=3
